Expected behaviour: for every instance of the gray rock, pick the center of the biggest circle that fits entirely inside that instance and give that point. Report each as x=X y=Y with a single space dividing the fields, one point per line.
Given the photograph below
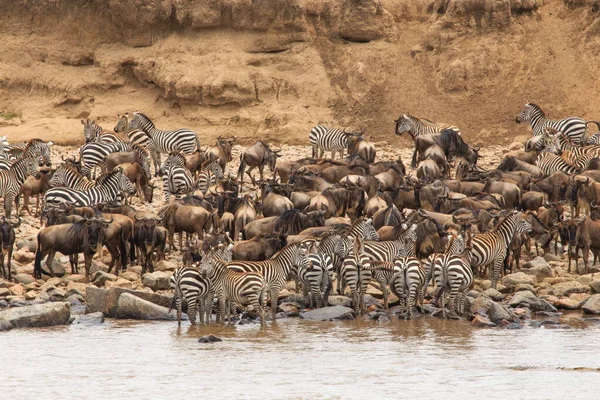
x=493 y=294
x=75 y=299
x=47 y=314
x=564 y=289
x=89 y=319
x=595 y=285
x=498 y=312
x=52 y=294
x=528 y=299
x=474 y=293
x=133 y=307
x=101 y=277
x=114 y=293
x=24 y=278
x=3 y=303
x=95 y=299
x=157 y=280
x=329 y=314
x=383 y=319
x=551 y=257
x=58 y=268
x=340 y=301
x=511 y=280
x=481 y=306
x=5 y=325
x=209 y=339
x=482 y=322
x=591 y=306
x=514 y=325
x=372 y=301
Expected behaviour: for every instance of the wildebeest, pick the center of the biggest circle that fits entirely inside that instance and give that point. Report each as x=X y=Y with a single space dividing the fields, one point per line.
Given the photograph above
x=147 y=238
x=7 y=233
x=181 y=218
x=221 y=151
x=259 y=248
x=85 y=236
x=358 y=145
x=35 y=186
x=257 y=155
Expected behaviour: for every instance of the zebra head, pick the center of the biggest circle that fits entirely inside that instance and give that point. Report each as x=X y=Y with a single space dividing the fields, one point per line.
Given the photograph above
x=370 y=233
x=122 y=122
x=528 y=111
x=125 y=184
x=59 y=178
x=90 y=130
x=551 y=140
x=404 y=124
x=341 y=247
x=207 y=263
x=523 y=226
x=216 y=169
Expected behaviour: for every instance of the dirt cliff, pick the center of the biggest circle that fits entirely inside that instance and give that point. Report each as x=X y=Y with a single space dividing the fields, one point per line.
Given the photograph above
x=274 y=68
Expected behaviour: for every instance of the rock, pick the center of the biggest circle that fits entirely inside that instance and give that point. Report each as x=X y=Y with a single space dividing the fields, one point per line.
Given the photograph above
x=523 y=286
x=136 y=269
x=75 y=278
x=156 y=280
x=363 y=21
x=123 y=283
x=47 y=314
x=89 y=319
x=23 y=256
x=499 y=312
x=329 y=314
x=4 y=292
x=595 y=285
x=115 y=292
x=57 y=267
x=76 y=288
x=579 y=297
x=17 y=290
x=289 y=309
x=591 y=306
x=95 y=299
x=383 y=319
x=474 y=294
x=512 y=280
x=551 y=257
x=528 y=299
x=101 y=277
x=75 y=299
x=209 y=339
x=514 y=325
x=493 y=294
x=5 y=325
x=130 y=306
x=566 y=288
x=515 y=146
x=567 y=304
x=164 y=265
x=129 y=275
x=584 y=280
x=3 y=303
x=481 y=306
x=24 y=278
x=52 y=294
x=482 y=322
x=339 y=301
x=539 y=268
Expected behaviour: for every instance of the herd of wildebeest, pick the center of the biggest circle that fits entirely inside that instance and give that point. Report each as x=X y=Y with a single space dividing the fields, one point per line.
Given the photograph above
x=353 y=221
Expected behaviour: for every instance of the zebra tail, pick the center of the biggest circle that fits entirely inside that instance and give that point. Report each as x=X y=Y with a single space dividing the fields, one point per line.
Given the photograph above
x=593 y=122
x=197 y=143
x=173 y=301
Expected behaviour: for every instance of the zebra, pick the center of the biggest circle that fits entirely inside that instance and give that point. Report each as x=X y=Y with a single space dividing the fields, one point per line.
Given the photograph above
x=107 y=189
x=40 y=149
x=12 y=179
x=356 y=272
x=550 y=163
x=231 y=285
x=177 y=179
x=93 y=132
x=408 y=282
x=316 y=279
x=383 y=273
x=192 y=287
x=573 y=128
x=324 y=139
x=452 y=247
x=388 y=250
x=93 y=154
x=67 y=175
x=184 y=140
x=208 y=176
x=491 y=248
x=276 y=270
x=136 y=136
x=416 y=127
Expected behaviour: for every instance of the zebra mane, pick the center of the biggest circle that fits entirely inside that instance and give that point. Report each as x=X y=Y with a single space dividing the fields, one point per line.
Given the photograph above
x=70 y=168
x=535 y=106
x=423 y=121
x=285 y=249
x=102 y=179
x=497 y=227
x=177 y=156
x=144 y=116
x=32 y=143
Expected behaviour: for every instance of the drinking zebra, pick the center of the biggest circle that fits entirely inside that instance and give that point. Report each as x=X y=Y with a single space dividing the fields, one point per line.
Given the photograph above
x=94 y=133
x=12 y=179
x=275 y=270
x=177 y=179
x=184 y=140
x=191 y=286
x=574 y=128
x=107 y=189
x=316 y=279
x=324 y=139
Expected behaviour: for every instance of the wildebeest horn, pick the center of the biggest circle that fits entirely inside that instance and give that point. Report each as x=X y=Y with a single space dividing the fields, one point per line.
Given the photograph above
x=593 y=204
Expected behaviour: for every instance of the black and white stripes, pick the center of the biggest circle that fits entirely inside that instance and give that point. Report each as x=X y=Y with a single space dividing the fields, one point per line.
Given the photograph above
x=324 y=139
x=573 y=128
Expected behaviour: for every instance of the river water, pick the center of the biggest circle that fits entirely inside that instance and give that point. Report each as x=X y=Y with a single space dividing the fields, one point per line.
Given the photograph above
x=301 y=360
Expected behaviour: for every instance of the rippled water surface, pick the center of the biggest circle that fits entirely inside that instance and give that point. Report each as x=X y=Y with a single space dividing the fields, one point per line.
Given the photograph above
x=301 y=359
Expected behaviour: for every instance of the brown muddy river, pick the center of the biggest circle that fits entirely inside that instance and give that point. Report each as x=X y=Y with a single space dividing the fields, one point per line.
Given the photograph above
x=301 y=360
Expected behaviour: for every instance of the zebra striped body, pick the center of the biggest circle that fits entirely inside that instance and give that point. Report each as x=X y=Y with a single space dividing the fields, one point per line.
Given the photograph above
x=12 y=179
x=383 y=273
x=389 y=249
x=107 y=189
x=573 y=128
x=66 y=175
x=190 y=286
x=452 y=275
x=356 y=273
x=316 y=279
x=136 y=136
x=275 y=270
x=324 y=139
x=416 y=127
x=94 y=133
x=408 y=282
x=184 y=140
x=229 y=285
x=209 y=175
x=39 y=149
x=490 y=248
x=453 y=247
x=550 y=163
x=93 y=154
x=177 y=179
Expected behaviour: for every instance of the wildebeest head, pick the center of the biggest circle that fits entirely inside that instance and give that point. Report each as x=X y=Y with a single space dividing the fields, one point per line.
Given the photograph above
x=95 y=232
x=7 y=231
x=144 y=229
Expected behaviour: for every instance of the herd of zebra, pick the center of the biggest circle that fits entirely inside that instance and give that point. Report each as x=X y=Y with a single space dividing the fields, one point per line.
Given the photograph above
x=354 y=221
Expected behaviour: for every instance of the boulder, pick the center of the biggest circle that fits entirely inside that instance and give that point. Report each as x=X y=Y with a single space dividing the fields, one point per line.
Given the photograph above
x=595 y=285
x=209 y=339
x=5 y=292
x=75 y=278
x=24 y=278
x=95 y=299
x=47 y=314
x=528 y=299
x=482 y=322
x=481 y=305
x=566 y=288
x=76 y=288
x=123 y=283
x=133 y=307
x=164 y=265
x=24 y=256
x=289 y=309
x=329 y=314
x=17 y=290
x=365 y=20
x=339 y=301
x=114 y=293
x=129 y=275
x=157 y=280
x=591 y=306
x=52 y=294
x=539 y=268
x=89 y=319
x=493 y=294
x=5 y=325
x=512 y=280
x=499 y=312
x=567 y=304
x=101 y=277
x=551 y=257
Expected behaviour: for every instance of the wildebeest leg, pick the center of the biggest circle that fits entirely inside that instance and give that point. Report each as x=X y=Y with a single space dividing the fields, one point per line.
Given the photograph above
x=114 y=255
x=413 y=163
x=73 y=260
x=49 y=262
x=249 y=172
x=2 y=271
x=261 y=168
x=171 y=238
x=88 y=263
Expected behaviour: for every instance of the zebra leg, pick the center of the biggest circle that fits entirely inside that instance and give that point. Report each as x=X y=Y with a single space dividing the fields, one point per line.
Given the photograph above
x=412 y=291
x=274 y=298
x=192 y=310
x=495 y=271
x=178 y=304
x=385 y=293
